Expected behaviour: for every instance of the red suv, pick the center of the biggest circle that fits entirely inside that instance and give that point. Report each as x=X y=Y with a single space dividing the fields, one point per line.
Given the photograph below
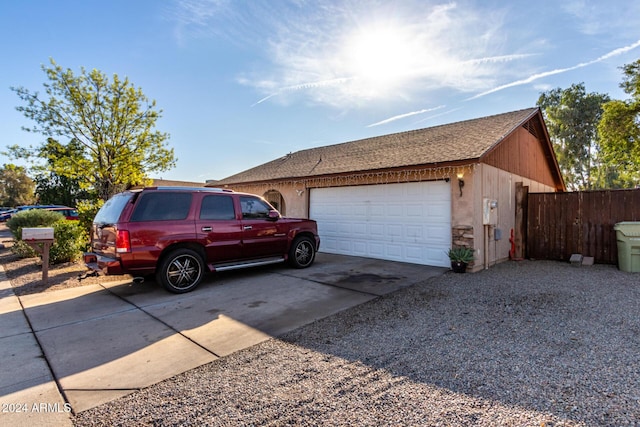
x=180 y=233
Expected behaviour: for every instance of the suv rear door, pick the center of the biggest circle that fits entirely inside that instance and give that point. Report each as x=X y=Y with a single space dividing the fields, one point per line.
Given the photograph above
x=218 y=228
x=159 y=219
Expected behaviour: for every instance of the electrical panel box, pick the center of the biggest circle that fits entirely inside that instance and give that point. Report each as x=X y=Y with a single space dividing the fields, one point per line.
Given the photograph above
x=489 y=211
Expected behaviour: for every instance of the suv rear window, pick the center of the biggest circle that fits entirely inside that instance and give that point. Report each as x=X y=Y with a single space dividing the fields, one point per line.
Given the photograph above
x=110 y=212
x=217 y=208
x=162 y=206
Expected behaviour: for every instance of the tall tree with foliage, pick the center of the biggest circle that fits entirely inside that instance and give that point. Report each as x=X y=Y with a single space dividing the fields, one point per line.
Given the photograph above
x=572 y=117
x=109 y=126
x=620 y=131
x=52 y=188
x=16 y=188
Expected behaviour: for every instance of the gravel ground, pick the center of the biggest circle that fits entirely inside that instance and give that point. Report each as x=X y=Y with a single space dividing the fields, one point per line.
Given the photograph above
x=533 y=343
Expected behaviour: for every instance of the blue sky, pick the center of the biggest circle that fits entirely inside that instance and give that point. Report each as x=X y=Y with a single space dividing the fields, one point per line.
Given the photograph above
x=241 y=83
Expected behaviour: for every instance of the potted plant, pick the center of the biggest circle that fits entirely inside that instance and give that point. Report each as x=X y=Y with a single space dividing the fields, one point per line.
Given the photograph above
x=460 y=257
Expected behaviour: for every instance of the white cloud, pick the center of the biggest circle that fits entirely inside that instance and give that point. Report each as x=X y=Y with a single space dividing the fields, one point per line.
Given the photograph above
x=379 y=51
x=192 y=17
x=349 y=54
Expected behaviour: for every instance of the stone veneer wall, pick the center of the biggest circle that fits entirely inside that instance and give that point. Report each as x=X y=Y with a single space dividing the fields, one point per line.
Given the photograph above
x=462 y=236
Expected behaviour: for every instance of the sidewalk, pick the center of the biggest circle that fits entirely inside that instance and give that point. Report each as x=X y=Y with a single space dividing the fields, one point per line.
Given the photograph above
x=29 y=395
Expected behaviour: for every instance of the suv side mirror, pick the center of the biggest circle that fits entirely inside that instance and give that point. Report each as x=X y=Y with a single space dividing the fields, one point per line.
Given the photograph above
x=274 y=215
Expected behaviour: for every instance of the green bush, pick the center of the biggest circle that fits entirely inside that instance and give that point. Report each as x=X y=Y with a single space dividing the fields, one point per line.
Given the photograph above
x=70 y=242
x=70 y=237
x=461 y=254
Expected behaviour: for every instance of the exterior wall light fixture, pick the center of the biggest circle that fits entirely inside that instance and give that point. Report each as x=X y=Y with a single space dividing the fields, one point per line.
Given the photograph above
x=460 y=176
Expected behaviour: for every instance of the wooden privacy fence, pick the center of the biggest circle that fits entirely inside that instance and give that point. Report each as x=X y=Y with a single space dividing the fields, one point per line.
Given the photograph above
x=561 y=224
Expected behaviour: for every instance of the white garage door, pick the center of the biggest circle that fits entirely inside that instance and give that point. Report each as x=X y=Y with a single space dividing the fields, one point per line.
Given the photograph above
x=408 y=222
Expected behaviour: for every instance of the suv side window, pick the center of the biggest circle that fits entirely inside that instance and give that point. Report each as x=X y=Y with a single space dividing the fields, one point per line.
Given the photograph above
x=162 y=206
x=254 y=208
x=217 y=208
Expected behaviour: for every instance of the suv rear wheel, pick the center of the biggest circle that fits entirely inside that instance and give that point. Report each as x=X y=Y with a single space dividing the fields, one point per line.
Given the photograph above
x=302 y=252
x=180 y=271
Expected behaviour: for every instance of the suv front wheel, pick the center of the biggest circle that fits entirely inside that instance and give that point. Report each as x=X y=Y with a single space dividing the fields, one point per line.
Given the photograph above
x=302 y=253
x=180 y=271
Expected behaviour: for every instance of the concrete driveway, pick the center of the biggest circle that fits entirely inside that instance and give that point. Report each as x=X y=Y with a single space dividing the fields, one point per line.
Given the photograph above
x=105 y=341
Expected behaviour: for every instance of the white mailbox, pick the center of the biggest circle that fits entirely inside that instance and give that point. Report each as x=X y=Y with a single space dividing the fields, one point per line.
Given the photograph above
x=37 y=233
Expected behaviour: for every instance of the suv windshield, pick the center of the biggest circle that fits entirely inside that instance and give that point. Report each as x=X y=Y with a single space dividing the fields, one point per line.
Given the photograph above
x=110 y=212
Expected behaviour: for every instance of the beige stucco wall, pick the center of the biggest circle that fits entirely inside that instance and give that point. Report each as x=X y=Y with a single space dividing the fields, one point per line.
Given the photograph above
x=496 y=184
x=295 y=196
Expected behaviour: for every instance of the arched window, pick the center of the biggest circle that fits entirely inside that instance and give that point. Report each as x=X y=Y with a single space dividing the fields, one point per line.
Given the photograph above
x=277 y=201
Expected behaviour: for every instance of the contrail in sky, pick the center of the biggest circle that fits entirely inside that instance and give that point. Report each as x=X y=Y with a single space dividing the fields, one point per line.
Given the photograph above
x=529 y=79
x=302 y=86
x=402 y=116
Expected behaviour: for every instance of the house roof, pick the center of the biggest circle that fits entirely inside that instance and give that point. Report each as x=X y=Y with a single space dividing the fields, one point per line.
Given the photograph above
x=171 y=183
x=456 y=142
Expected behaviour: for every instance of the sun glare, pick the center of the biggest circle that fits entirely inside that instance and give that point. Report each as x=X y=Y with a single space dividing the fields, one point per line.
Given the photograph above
x=381 y=57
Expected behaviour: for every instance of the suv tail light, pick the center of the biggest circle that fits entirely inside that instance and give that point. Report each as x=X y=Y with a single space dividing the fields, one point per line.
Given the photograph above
x=123 y=243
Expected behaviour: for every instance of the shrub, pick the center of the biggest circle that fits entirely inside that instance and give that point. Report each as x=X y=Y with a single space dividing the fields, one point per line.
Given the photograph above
x=32 y=218
x=461 y=254
x=70 y=242
x=70 y=238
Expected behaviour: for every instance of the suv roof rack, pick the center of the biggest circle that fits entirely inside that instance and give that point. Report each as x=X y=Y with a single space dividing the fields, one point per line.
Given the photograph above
x=216 y=190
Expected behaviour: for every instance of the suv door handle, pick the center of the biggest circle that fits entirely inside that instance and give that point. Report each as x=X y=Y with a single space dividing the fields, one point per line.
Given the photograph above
x=207 y=228
x=247 y=227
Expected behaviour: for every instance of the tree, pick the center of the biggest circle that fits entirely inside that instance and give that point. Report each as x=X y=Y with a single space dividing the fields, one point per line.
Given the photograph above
x=109 y=125
x=572 y=117
x=16 y=188
x=52 y=188
x=620 y=131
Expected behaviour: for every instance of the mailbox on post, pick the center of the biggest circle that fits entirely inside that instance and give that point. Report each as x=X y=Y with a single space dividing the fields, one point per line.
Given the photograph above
x=40 y=239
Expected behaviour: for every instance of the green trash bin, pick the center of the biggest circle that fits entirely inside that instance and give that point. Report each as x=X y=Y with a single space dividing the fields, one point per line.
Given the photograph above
x=628 y=238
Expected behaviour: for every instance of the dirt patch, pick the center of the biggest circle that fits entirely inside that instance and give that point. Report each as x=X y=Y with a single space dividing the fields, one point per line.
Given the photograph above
x=25 y=274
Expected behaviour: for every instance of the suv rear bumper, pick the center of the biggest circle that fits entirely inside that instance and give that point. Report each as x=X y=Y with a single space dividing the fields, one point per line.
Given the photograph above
x=102 y=264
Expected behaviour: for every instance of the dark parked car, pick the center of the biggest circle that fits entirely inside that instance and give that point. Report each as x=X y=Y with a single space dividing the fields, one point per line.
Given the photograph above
x=69 y=213
x=6 y=215
x=178 y=234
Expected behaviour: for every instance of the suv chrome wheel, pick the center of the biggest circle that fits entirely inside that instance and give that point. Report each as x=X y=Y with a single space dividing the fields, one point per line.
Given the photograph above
x=303 y=252
x=181 y=271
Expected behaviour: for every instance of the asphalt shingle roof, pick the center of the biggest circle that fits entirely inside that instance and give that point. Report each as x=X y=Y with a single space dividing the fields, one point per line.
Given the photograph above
x=458 y=141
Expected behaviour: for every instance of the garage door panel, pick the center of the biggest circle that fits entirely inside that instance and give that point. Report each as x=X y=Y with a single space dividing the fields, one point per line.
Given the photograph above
x=376 y=250
x=395 y=210
x=394 y=232
x=408 y=222
x=414 y=233
x=394 y=251
x=360 y=230
x=438 y=235
x=414 y=254
x=376 y=230
x=359 y=247
x=438 y=211
x=415 y=212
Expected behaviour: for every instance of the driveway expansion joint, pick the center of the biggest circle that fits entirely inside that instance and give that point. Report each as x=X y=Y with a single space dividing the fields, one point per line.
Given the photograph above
x=43 y=355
